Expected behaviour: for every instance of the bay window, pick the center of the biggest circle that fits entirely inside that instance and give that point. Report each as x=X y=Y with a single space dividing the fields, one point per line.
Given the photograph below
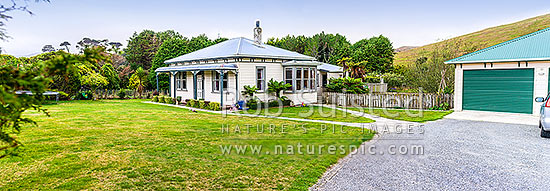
x=289 y=78
x=301 y=78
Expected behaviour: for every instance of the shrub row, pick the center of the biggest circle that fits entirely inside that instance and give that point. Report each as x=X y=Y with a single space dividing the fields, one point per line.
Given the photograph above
x=164 y=99
x=204 y=104
x=253 y=104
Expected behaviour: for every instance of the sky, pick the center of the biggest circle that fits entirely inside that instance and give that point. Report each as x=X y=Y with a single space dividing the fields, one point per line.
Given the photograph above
x=404 y=22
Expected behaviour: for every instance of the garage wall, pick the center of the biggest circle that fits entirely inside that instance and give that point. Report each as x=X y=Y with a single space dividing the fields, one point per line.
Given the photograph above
x=541 y=69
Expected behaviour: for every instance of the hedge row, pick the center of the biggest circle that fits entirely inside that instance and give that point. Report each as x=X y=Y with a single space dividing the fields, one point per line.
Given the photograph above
x=204 y=105
x=191 y=103
x=164 y=99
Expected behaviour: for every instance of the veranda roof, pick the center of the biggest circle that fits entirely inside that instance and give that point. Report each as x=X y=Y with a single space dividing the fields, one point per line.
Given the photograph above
x=224 y=66
x=329 y=68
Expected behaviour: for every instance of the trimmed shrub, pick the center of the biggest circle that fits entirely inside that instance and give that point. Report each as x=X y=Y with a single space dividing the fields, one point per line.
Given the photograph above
x=161 y=99
x=202 y=104
x=178 y=99
x=273 y=103
x=168 y=100
x=252 y=104
x=214 y=106
x=192 y=103
x=171 y=100
x=155 y=98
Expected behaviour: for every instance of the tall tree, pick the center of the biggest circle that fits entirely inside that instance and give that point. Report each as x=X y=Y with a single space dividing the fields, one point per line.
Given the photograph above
x=48 y=48
x=90 y=43
x=431 y=73
x=111 y=75
x=328 y=48
x=115 y=47
x=171 y=48
x=142 y=48
x=378 y=51
x=66 y=45
x=292 y=43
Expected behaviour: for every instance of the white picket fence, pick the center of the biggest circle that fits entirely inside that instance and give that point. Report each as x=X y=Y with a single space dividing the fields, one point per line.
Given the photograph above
x=388 y=100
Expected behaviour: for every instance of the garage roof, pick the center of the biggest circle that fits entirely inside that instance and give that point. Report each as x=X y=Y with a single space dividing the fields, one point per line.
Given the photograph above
x=531 y=47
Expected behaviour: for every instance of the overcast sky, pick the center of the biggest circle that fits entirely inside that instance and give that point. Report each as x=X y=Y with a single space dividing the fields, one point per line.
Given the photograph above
x=412 y=22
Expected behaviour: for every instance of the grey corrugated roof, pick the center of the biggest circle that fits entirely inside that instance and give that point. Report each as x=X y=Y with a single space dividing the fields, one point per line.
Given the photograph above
x=239 y=47
x=224 y=66
x=329 y=68
x=302 y=63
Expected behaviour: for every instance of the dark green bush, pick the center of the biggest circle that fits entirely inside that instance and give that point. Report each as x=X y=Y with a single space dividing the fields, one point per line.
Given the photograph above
x=352 y=85
x=121 y=94
x=161 y=99
x=155 y=99
x=178 y=99
x=252 y=104
x=273 y=103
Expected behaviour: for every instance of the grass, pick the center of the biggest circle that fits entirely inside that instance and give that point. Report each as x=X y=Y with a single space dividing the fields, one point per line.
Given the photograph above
x=317 y=113
x=483 y=38
x=126 y=144
x=405 y=115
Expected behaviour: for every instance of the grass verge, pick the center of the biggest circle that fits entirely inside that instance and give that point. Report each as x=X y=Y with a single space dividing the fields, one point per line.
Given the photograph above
x=313 y=113
x=126 y=144
x=404 y=115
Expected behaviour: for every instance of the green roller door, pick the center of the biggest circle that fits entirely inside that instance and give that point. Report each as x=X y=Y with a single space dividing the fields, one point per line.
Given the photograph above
x=498 y=90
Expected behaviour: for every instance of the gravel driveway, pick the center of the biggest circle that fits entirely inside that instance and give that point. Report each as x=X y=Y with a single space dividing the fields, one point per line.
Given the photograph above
x=458 y=155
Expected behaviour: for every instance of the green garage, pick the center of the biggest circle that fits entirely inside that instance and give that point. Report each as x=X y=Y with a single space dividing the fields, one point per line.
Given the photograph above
x=507 y=77
x=508 y=90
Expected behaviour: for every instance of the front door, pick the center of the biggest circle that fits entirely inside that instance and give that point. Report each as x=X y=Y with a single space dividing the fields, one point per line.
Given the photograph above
x=200 y=86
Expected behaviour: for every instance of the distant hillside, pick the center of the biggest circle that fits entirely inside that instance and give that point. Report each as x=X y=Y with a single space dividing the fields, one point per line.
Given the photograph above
x=405 y=48
x=482 y=39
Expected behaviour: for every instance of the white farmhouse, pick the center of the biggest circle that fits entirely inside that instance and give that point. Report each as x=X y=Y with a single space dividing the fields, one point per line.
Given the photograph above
x=219 y=72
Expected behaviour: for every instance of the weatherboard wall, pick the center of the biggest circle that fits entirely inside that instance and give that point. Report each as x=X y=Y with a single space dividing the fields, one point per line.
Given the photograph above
x=247 y=76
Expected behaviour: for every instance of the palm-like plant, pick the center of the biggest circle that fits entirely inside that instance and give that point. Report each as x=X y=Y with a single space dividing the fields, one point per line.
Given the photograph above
x=249 y=90
x=357 y=69
x=276 y=87
x=138 y=80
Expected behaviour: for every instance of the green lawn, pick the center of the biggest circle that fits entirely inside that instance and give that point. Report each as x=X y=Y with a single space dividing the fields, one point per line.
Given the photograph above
x=405 y=115
x=116 y=145
x=314 y=112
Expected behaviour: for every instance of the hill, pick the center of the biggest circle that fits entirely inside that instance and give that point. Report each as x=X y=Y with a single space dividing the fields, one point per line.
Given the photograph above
x=481 y=39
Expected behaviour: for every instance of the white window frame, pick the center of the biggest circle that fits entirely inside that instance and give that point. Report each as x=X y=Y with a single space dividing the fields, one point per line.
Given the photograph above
x=216 y=81
x=181 y=81
x=311 y=80
x=263 y=80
